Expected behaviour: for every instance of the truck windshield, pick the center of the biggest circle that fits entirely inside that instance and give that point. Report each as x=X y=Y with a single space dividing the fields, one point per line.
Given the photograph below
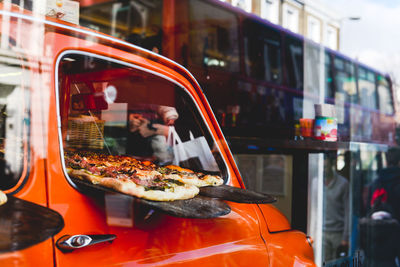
x=115 y=109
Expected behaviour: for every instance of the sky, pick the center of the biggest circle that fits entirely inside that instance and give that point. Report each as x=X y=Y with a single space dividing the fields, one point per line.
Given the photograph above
x=375 y=38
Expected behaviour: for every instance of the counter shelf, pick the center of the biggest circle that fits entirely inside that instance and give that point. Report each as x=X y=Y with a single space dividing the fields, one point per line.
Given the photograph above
x=306 y=145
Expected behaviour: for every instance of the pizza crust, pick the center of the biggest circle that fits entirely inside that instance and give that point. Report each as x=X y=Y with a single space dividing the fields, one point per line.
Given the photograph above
x=3 y=198
x=178 y=168
x=213 y=180
x=130 y=188
x=207 y=180
x=126 y=187
x=83 y=175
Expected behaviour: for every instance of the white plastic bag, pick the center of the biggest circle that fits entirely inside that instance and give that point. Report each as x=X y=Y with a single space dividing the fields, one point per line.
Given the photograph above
x=160 y=149
x=194 y=153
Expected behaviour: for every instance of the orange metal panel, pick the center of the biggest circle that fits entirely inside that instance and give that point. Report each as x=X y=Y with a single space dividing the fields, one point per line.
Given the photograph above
x=290 y=249
x=275 y=220
x=37 y=255
x=285 y=247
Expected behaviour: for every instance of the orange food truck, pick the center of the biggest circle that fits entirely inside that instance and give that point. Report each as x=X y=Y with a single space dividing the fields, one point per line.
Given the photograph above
x=67 y=90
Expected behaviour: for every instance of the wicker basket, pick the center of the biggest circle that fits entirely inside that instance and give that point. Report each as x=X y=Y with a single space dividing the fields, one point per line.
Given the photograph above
x=85 y=133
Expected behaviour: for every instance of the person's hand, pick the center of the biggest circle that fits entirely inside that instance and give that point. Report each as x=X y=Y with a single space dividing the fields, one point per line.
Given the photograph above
x=170 y=122
x=135 y=121
x=145 y=130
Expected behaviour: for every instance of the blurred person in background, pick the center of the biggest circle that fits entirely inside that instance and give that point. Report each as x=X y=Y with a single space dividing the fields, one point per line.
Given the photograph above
x=336 y=211
x=149 y=127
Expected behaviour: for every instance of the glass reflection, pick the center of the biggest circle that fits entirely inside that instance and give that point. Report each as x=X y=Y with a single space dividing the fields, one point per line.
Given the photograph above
x=336 y=211
x=14 y=114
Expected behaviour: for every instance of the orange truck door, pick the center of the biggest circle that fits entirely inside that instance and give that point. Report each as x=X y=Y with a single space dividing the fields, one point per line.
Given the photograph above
x=142 y=236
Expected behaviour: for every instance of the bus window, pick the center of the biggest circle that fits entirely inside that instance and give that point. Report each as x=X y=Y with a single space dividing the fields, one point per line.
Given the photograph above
x=329 y=92
x=138 y=22
x=213 y=37
x=385 y=96
x=345 y=80
x=312 y=68
x=262 y=52
x=366 y=87
x=294 y=62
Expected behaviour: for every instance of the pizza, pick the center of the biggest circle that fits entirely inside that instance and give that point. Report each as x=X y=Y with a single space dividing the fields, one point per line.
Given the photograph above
x=3 y=198
x=190 y=177
x=142 y=179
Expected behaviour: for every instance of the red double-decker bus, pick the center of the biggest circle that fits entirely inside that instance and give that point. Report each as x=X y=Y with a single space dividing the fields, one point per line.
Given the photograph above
x=255 y=74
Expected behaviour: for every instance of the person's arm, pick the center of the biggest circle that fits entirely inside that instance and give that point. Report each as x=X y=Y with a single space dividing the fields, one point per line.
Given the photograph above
x=161 y=129
x=148 y=129
x=168 y=114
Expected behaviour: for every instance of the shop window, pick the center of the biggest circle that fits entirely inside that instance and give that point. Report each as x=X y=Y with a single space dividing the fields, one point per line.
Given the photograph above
x=290 y=18
x=314 y=29
x=332 y=37
x=270 y=10
x=243 y=4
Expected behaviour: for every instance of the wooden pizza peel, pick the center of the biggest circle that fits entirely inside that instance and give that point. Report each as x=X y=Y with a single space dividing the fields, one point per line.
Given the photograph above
x=208 y=204
x=199 y=207
x=236 y=194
